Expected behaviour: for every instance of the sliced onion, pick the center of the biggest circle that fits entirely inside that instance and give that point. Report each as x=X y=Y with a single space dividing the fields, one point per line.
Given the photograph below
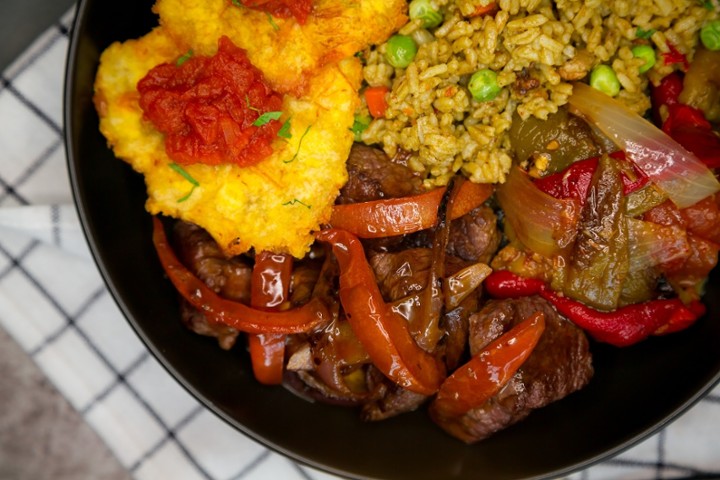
x=653 y=244
x=541 y=222
x=677 y=172
x=458 y=286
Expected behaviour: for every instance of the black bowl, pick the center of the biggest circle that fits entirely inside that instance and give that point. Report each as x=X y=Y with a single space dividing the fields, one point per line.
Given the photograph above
x=635 y=391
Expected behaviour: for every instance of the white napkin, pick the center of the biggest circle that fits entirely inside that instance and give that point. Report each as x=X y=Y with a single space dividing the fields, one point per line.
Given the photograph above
x=55 y=305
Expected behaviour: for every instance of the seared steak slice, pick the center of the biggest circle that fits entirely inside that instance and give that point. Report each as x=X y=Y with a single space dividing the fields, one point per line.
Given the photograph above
x=372 y=175
x=560 y=364
x=229 y=277
x=475 y=237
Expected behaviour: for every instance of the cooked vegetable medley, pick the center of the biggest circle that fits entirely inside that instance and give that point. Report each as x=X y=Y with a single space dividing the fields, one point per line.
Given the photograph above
x=439 y=204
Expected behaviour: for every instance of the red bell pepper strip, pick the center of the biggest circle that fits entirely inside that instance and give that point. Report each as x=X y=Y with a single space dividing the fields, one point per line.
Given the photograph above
x=622 y=327
x=702 y=142
x=682 y=318
x=685 y=124
x=384 y=333
x=398 y=216
x=574 y=182
x=505 y=284
x=626 y=325
x=474 y=383
x=666 y=93
x=269 y=291
x=234 y=314
x=689 y=127
x=680 y=115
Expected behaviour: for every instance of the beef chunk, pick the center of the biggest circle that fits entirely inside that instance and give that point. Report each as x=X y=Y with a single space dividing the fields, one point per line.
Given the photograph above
x=560 y=364
x=229 y=277
x=372 y=175
x=402 y=273
x=389 y=399
x=194 y=320
x=198 y=251
x=399 y=275
x=475 y=237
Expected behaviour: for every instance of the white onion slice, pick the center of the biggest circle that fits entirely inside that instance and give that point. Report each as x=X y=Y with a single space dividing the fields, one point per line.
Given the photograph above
x=458 y=286
x=541 y=222
x=652 y=244
x=677 y=172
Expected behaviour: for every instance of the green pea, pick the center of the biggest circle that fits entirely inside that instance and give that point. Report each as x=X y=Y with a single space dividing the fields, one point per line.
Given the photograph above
x=361 y=123
x=425 y=11
x=603 y=78
x=647 y=53
x=483 y=85
x=710 y=35
x=401 y=50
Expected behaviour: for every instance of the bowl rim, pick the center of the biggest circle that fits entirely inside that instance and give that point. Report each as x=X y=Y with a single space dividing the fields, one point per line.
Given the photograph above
x=80 y=18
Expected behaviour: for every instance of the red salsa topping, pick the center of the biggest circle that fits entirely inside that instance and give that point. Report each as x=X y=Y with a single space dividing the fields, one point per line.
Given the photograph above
x=208 y=108
x=300 y=9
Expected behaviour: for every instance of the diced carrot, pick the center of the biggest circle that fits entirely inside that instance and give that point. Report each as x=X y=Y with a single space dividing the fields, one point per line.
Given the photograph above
x=376 y=100
x=480 y=10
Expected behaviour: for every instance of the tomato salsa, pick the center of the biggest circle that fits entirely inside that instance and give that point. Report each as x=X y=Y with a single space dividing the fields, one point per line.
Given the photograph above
x=300 y=9
x=209 y=108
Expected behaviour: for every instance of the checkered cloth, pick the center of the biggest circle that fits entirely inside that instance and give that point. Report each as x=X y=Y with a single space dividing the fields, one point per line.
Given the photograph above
x=55 y=305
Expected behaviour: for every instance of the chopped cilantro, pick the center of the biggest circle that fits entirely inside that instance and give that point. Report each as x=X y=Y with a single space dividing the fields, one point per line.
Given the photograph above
x=299 y=145
x=295 y=201
x=187 y=195
x=284 y=131
x=180 y=170
x=272 y=22
x=707 y=4
x=266 y=118
x=183 y=173
x=238 y=4
x=644 y=34
x=184 y=58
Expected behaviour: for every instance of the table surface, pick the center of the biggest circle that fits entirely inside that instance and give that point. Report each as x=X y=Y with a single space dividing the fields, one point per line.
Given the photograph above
x=21 y=21
x=35 y=415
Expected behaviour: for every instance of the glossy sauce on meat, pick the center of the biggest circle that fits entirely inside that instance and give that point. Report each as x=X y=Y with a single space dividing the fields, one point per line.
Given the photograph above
x=330 y=364
x=560 y=364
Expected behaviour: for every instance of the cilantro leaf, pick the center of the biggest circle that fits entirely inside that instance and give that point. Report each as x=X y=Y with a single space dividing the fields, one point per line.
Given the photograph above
x=295 y=201
x=299 y=145
x=183 y=173
x=272 y=22
x=184 y=58
x=266 y=118
x=284 y=131
x=644 y=34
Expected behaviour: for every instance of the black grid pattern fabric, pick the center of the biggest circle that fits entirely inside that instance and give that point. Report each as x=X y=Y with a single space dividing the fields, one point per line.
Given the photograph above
x=55 y=305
